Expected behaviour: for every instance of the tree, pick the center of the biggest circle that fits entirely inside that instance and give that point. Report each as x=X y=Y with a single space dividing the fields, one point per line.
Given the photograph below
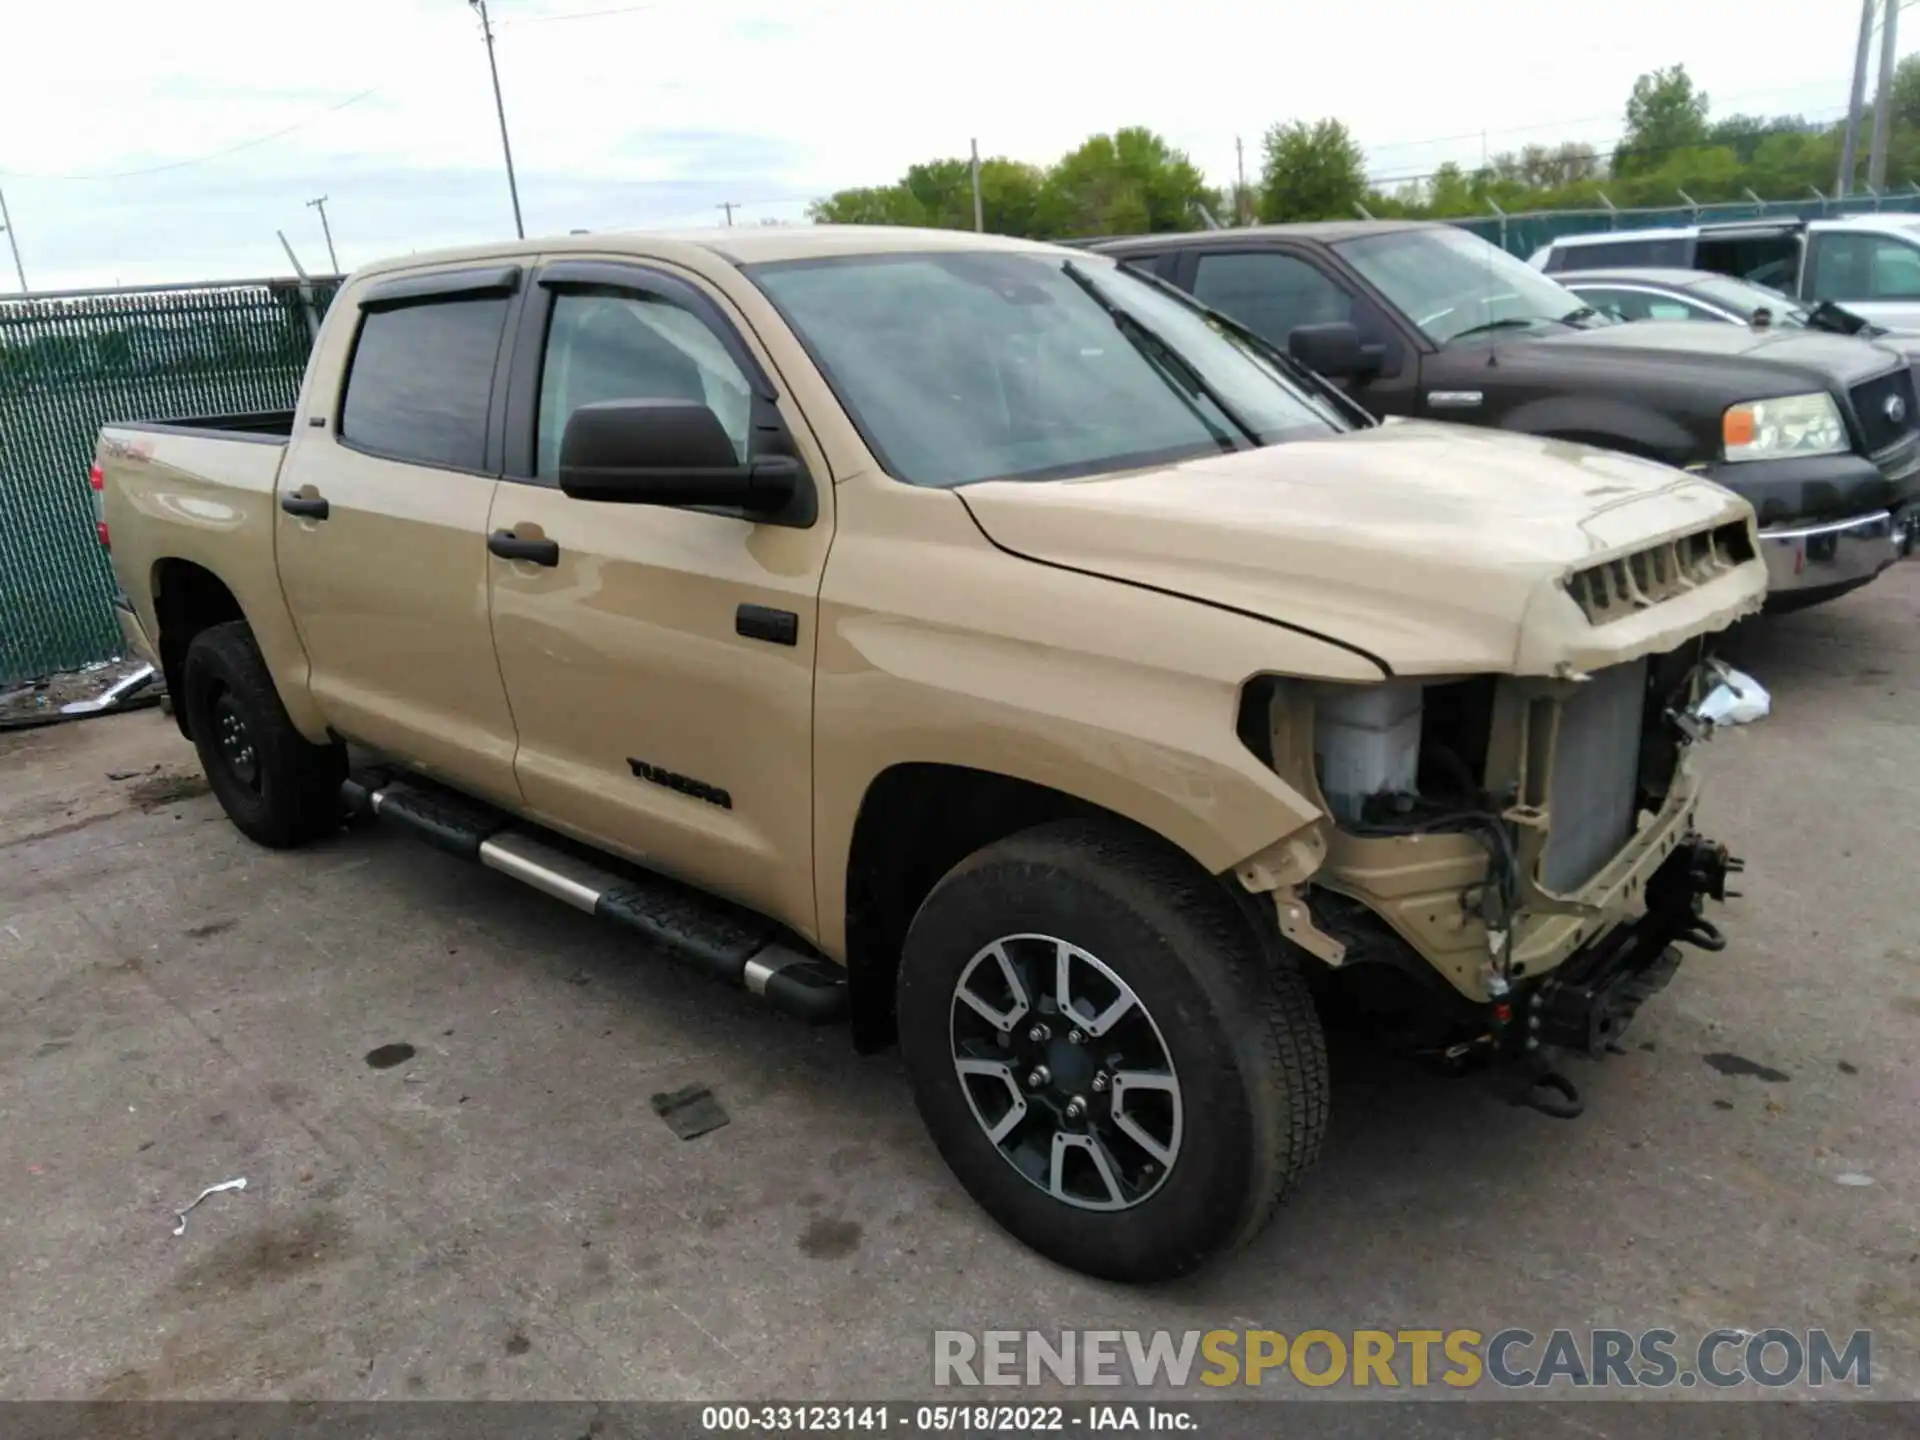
x=1665 y=114
x=1906 y=92
x=1127 y=183
x=1310 y=172
x=939 y=193
x=1449 y=192
x=1539 y=167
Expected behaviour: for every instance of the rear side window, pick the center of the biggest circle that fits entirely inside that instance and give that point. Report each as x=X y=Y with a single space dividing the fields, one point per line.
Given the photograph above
x=420 y=380
x=1627 y=254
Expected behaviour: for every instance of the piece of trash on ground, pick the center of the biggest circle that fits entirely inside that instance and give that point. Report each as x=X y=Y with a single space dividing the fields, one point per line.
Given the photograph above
x=1853 y=1177
x=239 y=1184
x=691 y=1112
x=1737 y=700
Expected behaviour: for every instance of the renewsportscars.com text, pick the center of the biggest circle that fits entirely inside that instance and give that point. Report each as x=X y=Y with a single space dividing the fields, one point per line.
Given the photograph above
x=1405 y=1359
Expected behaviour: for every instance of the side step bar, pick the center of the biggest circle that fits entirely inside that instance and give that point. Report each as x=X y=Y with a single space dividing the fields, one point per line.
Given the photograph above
x=731 y=944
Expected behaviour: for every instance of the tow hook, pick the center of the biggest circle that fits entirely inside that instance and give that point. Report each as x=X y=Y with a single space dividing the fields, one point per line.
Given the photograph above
x=1545 y=1089
x=1702 y=934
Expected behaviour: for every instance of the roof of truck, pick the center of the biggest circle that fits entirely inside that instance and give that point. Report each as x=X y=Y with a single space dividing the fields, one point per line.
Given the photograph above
x=741 y=244
x=1329 y=231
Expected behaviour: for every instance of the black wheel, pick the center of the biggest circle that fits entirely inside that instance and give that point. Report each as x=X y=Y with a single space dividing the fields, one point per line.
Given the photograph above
x=1103 y=1053
x=278 y=787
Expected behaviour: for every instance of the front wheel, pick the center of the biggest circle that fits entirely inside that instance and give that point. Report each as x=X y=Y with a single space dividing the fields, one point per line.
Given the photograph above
x=1105 y=1056
x=276 y=786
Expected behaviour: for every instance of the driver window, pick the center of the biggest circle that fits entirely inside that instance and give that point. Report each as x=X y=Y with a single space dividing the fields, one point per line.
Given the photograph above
x=632 y=347
x=1270 y=293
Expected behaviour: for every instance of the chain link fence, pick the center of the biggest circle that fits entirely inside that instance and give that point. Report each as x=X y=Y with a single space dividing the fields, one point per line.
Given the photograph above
x=72 y=362
x=1523 y=233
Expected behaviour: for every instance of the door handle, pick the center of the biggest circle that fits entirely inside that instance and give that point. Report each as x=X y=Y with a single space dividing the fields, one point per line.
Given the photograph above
x=307 y=507
x=509 y=546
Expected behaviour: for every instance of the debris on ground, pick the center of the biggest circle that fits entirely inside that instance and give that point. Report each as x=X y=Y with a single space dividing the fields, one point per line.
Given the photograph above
x=101 y=688
x=1737 y=700
x=132 y=774
x=690 y=1113
x=239 y=1184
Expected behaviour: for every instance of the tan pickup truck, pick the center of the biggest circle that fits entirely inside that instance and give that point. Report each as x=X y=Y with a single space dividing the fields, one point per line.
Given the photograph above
x=975 y=638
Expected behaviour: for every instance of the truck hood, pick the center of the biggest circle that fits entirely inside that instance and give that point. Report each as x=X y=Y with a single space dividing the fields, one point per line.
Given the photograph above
x=1756 y=362
x=1434 y=548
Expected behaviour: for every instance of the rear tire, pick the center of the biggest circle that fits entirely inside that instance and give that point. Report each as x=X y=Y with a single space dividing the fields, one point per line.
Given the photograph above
x=1201 y=1101
x=276 y=786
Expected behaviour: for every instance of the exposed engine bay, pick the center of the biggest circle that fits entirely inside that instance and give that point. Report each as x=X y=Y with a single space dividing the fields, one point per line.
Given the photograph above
x=1501 y=841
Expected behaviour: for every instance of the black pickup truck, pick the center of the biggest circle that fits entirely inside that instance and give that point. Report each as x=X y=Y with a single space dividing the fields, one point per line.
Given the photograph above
x=1820 y=432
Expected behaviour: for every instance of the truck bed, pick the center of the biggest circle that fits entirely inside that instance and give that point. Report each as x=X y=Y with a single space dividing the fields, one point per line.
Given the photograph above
x=263 y=426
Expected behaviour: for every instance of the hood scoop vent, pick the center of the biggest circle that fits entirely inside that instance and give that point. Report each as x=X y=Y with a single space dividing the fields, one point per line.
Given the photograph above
x=1630 y=583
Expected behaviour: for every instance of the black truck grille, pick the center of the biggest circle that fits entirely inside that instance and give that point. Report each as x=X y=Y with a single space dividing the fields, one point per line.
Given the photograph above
x=1875 y=404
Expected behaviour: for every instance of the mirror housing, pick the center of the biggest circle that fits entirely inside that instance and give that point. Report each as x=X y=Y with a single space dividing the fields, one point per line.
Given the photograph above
x=1332 y=350
x=666 y=452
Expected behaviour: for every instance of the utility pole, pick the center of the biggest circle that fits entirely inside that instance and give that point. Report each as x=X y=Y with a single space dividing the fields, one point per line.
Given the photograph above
x=1850 y=145
x=979 y=215
x=13 y=241
x=327 y=230
x=1883 y=99
x=728 y=206
x=506 y=147
x=1240 y=194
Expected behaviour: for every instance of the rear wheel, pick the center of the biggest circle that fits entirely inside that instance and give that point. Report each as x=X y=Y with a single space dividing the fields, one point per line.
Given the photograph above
x=275 y=785
x=1104 y=1055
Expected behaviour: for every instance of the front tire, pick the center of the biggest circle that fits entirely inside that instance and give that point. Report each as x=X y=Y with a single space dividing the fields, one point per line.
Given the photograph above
x=1105 y=1055
x=276 y=786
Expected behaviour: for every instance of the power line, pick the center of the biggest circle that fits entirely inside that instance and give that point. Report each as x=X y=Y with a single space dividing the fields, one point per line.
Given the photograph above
x=1582 y=120
x=203 y=159
x=577 y=15
x=1639 y=151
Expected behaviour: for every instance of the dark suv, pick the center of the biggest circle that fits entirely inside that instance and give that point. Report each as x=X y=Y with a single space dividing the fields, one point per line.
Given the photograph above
x=1820 y=432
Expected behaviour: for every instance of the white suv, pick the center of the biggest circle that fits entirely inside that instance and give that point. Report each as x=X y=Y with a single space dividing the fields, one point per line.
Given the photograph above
x=1868 y=263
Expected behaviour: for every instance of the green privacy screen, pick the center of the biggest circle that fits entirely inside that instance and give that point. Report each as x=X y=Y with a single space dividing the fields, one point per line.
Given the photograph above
x=71 y=363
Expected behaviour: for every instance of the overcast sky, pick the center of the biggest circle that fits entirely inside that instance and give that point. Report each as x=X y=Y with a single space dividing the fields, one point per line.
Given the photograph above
x=627 y=114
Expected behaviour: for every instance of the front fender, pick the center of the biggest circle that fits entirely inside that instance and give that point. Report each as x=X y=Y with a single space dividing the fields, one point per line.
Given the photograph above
x=1124 y=698
x=1610 y=423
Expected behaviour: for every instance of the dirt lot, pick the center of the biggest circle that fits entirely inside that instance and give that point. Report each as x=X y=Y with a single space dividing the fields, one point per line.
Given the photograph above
x=500 y=1213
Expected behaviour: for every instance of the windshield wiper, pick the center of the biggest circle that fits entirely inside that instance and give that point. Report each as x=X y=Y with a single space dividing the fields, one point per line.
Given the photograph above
x=1509 y=322
x=1163 y=357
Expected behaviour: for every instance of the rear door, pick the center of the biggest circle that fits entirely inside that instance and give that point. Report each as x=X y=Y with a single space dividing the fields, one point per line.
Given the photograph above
x=660 y=660
x=382 y=535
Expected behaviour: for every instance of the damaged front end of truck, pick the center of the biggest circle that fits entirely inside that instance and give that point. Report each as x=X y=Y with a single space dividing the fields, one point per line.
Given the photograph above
x=1508 y=863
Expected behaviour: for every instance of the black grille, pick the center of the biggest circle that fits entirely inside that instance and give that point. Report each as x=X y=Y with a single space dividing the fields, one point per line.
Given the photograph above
x=1870 y=403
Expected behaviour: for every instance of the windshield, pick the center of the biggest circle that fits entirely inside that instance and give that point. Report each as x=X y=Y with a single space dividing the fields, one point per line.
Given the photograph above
x=1450 y=284
x=1744 y=298
x=984 y=365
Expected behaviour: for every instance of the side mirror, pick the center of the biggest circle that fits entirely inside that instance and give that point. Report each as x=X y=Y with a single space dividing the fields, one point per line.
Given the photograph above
x=1332 y=350
x=665 y=452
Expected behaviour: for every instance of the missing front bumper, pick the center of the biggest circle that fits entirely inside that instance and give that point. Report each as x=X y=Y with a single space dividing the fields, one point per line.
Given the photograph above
x=1587 y=1003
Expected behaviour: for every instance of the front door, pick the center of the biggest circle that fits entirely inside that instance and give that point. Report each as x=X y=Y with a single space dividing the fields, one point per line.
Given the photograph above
x=1874 y=274
x=381 y=544
x=1271 y=291
x=659 y=660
